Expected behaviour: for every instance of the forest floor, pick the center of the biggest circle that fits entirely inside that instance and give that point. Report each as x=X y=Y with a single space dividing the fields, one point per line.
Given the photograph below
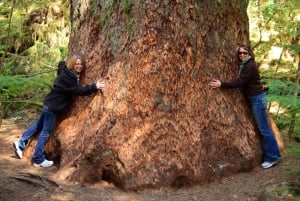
x=21 y=181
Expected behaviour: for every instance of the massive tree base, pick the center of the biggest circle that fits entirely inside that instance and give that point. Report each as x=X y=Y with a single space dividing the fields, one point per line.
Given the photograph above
x=157 y=123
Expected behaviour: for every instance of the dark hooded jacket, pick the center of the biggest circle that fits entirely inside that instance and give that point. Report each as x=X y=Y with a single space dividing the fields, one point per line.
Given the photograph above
x=248 y=79
x=66 y=86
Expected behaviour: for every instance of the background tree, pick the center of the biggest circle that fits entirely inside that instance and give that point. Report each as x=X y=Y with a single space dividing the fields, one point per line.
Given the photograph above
x=33 y=38
x=157 y=122
x=275 y=35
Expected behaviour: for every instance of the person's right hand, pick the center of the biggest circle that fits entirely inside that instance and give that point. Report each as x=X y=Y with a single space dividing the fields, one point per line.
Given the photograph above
x=100 y=85
x=215 y=84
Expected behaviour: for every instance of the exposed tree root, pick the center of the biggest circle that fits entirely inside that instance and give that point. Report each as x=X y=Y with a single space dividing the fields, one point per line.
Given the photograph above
x=39 y=180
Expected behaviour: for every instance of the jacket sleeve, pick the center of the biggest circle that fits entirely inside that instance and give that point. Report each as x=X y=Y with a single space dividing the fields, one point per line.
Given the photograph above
x=61 y=65
x=243 y=78
x=77 y=90
x=85 y=90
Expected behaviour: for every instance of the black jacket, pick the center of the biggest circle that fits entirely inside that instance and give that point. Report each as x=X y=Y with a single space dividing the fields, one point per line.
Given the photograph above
x=248 y=80
x=65 y=87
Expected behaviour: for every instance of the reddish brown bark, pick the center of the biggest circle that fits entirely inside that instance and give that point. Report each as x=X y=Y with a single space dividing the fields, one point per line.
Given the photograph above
x=157 y=122
x=277 y=134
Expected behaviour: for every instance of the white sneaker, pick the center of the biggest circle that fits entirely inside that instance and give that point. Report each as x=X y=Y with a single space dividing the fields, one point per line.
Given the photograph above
x=44 y=164
x=266 y=165
x=18 y=151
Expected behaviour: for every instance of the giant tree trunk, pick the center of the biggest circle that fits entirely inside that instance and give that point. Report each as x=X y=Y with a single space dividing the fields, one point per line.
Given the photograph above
x=157 y=123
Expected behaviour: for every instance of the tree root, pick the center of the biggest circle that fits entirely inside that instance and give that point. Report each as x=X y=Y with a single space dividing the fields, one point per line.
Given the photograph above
x=39 y=180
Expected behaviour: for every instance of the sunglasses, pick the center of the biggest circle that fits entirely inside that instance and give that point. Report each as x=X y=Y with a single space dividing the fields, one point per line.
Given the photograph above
x=244 y=53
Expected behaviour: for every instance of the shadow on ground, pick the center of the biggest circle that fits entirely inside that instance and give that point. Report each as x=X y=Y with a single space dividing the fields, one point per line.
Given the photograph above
x=21 y=181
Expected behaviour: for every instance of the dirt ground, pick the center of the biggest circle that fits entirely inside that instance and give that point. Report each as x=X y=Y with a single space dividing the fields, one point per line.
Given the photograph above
x=21 y=181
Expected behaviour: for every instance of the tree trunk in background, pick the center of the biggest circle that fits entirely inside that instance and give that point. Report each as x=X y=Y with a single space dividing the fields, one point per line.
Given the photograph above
x=157 y=122
x=294 y=114
x=1 y=115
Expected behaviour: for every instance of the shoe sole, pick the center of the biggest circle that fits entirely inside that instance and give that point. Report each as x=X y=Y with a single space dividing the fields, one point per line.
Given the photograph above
x=271 y=165
x=36 y=165
x=39 y=165
x=16 y=153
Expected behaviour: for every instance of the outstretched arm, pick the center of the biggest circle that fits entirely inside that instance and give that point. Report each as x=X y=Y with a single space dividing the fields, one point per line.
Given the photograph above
x=89 y=89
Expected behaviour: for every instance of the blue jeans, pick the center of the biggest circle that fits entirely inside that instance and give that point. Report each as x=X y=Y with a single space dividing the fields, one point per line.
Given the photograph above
x=45 y=124
x=270 y=147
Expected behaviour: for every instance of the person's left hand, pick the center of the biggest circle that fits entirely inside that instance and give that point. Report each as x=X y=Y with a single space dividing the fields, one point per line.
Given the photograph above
x=215 y=84
x=100 y=85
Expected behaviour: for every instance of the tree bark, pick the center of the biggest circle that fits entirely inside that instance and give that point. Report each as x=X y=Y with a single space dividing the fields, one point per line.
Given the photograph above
x=157 y=123
x=8 y=40
x=1 y=113
x=294 y=114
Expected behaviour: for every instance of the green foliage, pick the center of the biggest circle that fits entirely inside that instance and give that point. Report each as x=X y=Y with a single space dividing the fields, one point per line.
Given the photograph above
x=126 y=6
x=32 y=41
x=274 y=33
x=33 y=21
x=283 y=92
x=15 y=85
x=293 y=47
x=294 y=150
x=106 y=12
x=283 y=88
x=281 y=190
x=22 y=92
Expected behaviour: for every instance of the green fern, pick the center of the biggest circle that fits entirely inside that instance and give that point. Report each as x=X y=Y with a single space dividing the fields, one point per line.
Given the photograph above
x=19 y=92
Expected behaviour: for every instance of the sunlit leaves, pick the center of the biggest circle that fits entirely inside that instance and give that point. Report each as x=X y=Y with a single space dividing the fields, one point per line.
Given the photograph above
x=31 y=45
x=275 y=24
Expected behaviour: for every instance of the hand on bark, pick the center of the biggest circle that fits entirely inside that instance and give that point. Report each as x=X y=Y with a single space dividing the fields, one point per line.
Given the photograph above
x=215 y=84
x=100 y=85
